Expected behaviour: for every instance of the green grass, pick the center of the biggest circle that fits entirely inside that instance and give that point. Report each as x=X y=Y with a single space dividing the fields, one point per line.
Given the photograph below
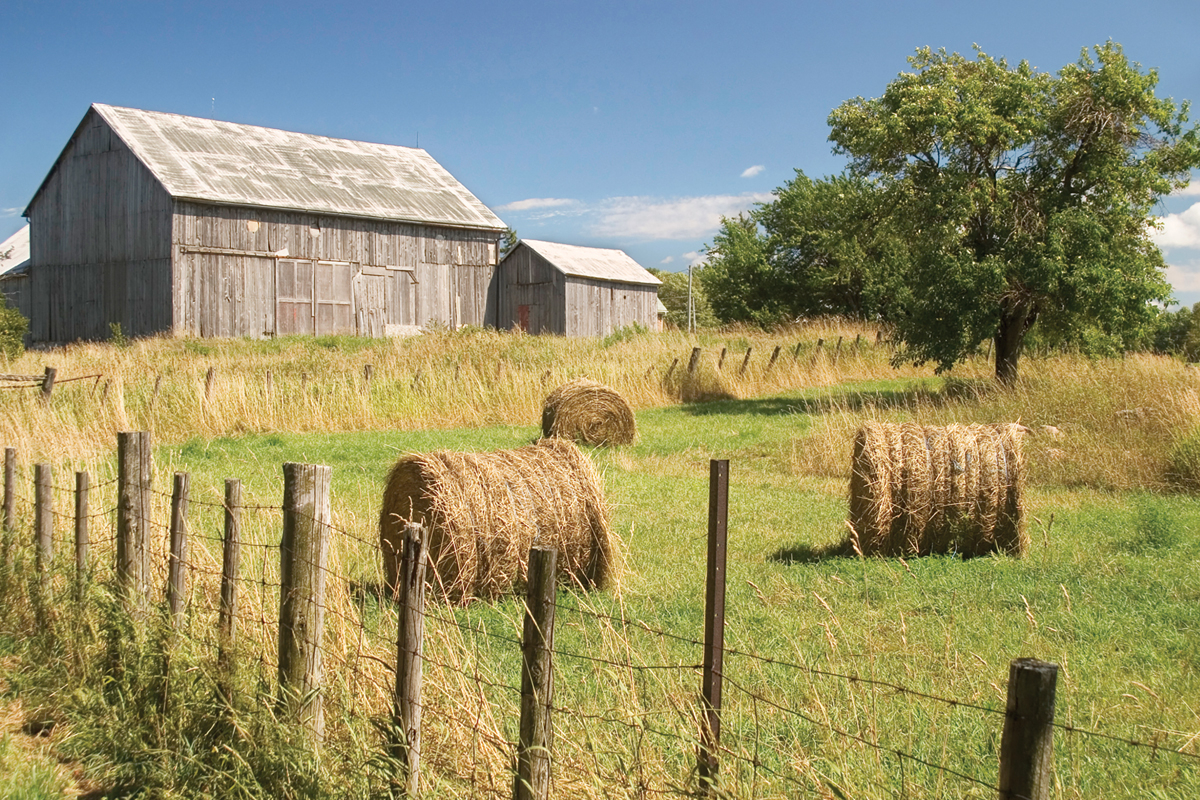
x=1110 y=591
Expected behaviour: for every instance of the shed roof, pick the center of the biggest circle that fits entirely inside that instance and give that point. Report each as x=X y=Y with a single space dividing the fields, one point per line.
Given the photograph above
x=245 y=165
x=596 y=263
x=17 y=249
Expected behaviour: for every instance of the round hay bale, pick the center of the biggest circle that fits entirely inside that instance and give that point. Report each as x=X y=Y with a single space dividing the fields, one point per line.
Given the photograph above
x=586 y=411
x=483 y=511
x=917 y=490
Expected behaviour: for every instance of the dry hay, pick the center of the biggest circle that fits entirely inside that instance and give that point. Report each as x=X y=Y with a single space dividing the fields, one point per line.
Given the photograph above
x=586 y=411
x=484 y=511
x=917 y=490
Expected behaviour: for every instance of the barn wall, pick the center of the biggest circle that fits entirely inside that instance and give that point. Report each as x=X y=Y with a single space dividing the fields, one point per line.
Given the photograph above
x=525 y=279
x=99 y=243
x=597 y=308
x=403 y=274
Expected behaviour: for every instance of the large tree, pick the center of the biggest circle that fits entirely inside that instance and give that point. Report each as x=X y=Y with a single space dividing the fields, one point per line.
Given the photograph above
x=822 y=246
x=1025 y=197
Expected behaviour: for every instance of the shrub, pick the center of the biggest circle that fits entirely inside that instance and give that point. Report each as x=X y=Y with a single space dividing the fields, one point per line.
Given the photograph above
x=13 y=327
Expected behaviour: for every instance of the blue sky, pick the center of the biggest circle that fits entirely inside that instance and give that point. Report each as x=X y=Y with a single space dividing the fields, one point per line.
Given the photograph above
x=631 y=125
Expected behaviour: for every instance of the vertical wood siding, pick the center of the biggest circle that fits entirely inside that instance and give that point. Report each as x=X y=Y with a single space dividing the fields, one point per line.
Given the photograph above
x=100 y=233
x=563 y=304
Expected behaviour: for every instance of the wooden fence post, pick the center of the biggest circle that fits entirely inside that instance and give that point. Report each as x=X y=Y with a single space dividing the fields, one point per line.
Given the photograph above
x=671 y=370
x=304 y=553
x=231 y=554
x=210 y=377
x=820 y=349
x=269 y=384
x=406 y=716
x=694 y=361
x=48 y=383
x=532 y=781
x=176 y=575
x=745 y=362
x=721 y=359
x=82 y=532
x=796 y=352
x=714 y=626
x=837 y=353
x=134 y=469
x=774 y=357
x=10 y=489
x=368 y=374
x=1027 y=745
x=43 y=517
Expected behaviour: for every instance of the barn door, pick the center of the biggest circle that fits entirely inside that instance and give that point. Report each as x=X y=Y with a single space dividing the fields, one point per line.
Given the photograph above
x=294 y=297
x=333 y=297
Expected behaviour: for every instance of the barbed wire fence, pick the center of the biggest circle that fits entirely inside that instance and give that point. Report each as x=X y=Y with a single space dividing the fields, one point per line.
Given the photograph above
x=495 y=702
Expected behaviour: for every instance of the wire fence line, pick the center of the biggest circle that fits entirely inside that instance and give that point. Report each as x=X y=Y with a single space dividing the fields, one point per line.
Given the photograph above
x=362 y=643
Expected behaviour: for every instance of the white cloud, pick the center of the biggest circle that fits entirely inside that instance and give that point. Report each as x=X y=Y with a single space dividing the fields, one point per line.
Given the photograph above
x=649 y=218
x=750 y=172
x=10 y=212
x=1191 y=190
x=1185 y=277
x=695 y=259
x=1179 y=230
x=537 y=203
x=667 y=260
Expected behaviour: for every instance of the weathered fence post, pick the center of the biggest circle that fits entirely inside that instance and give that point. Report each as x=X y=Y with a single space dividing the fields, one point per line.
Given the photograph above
x=774 y=357
x=269 y=384
x=1027 y=745
x=721 y=358
x=694 y=361
x=878 y=337
x=532 y=781
x=796 y=352
x=134 y=471
x=837 y=353
x=210 y=377
x=43 y=517
x=745 y=362
x=82 y=532
x=304 y=552
x=368 y=374
x=231 y=554
x=176 y=576
x=10 y=490
x=406 y=717
x=671 y=370
x=48 y=382
x=714 y=626
x=820 y=349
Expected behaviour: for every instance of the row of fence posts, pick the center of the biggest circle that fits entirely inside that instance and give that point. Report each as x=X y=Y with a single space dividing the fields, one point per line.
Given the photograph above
x=694 y=360
x=1026 y=751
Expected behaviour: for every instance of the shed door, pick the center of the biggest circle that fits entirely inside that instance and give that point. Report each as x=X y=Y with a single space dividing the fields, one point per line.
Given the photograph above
x=334 y=297
x=294 y=295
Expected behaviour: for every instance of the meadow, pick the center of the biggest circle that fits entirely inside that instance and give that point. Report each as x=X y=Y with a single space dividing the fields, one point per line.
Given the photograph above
x=846 y=677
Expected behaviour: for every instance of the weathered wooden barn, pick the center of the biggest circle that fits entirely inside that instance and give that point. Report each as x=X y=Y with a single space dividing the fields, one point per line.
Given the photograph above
x=165 y=223
x=545 y=287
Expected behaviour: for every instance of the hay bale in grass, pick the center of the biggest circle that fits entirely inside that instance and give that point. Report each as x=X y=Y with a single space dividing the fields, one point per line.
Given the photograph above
x=917 y=490
x=484 y=511
x=586 y=411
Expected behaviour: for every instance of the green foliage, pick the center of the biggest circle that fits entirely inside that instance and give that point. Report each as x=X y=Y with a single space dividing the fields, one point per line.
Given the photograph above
x=13 y=327
x=116 y=337
x=508 y=240
x=625 y=334
x=674 y=295
x=1026 y=196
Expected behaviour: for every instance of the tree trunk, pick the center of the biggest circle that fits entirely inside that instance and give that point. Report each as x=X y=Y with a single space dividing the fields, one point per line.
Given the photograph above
x=1010 y=339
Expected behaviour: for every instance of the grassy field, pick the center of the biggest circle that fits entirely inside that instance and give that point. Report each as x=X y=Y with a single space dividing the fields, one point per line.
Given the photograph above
x=1110 y=590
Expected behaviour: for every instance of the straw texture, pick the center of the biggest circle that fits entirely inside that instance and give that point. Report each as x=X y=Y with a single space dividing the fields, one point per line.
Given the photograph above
x=484 y=511
x=917 y=490
x=590 y=412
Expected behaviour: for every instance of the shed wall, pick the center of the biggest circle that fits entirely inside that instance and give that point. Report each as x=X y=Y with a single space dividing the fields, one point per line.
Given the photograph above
x=100 y=233
x=597 y=308
x=528 y=281
x=400 y=275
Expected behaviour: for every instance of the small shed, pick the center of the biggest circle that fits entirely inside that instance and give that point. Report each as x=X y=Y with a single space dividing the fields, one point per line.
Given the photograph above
x=14 y=270
x=163 y=223
x=546 y=287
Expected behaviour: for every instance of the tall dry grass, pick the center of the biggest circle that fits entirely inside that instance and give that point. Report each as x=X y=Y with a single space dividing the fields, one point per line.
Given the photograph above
x=437 y=380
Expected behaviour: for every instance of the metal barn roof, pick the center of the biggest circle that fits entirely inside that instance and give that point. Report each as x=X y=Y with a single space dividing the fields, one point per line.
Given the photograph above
x=14 y=253
x=244 y=165
x=592 y=262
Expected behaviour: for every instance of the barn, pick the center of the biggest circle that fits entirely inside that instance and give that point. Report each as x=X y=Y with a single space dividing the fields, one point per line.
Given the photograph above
x=14 y=270
x=545 y=287
x=162 y=223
